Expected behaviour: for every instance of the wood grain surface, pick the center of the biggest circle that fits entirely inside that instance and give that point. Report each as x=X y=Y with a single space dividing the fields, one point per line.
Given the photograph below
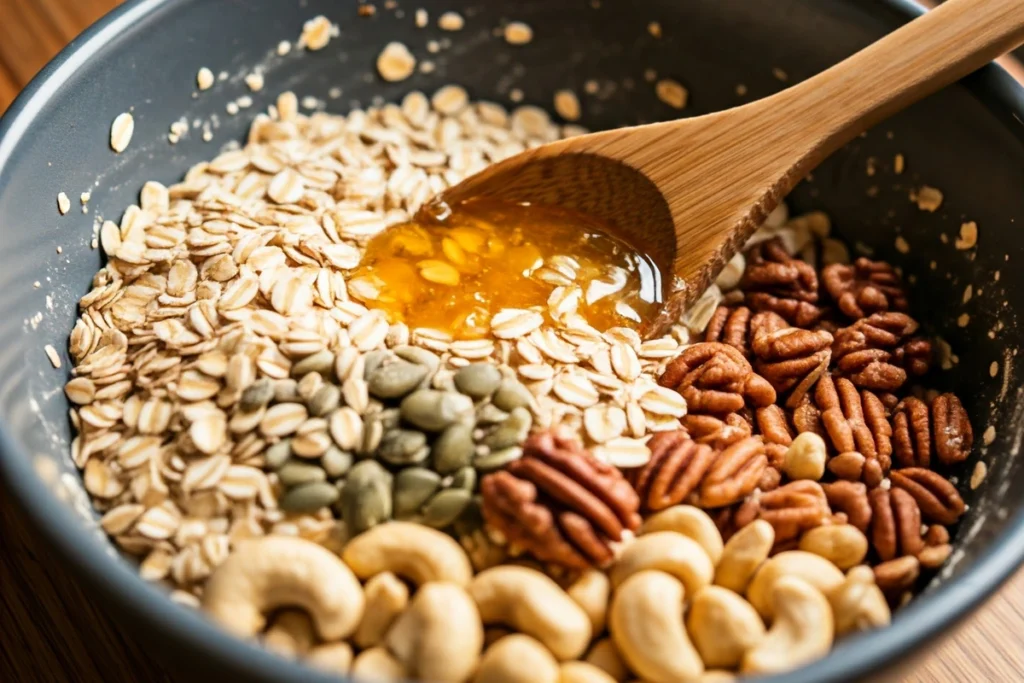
x=51 y=631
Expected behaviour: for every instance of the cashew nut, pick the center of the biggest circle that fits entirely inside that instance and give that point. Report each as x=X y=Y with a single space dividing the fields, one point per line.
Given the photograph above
x=805 y=457
x=414 y=551
x=666 y=551
x=386 y=597
x=267 y=573
x=858 y=604
x=646 y=622
x=723 y=626
x=605 y=656
x=493 y=634
x=439 y=636
x=377 y=665
x=517 y=659
x=290 y=633
x=844 y=545
x=801 y=631
x=716 y=676
x=813 y=569
x=743 y=554
x=581 y=672
x=591 y=592
x=532 y=603
x=689 y=521
x=333 y=657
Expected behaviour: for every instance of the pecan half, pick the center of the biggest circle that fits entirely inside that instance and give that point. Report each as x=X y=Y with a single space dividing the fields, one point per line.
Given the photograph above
x=717 y=432
x=735 y=472
x=870 y=354
x=559 y=503
x=854 y=421
x=938 y=499
x=791 y=509
x=895 y=523
x=853 y=466
x=675 y=470
x=790 y=358
x=730 y=326
x=943 y=428
x=774 y=428
x=951 y=428
x=775 y=281
x=851 y=499
x=911 y=433
x=864 y=287
x=914 y=356
x=715 y=378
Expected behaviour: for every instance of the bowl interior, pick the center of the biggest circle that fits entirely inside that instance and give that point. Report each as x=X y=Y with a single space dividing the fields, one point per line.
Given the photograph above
x=967 y=141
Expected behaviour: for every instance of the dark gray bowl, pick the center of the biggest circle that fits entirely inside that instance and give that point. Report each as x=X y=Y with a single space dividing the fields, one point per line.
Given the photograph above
x=967 y=140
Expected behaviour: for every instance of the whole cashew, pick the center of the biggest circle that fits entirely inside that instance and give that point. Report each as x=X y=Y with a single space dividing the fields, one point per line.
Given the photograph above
x=377 y=665
x=743 y=554
x=714 y=676
x=689 y=521
x=439 y=637
x=605 y=656
x=844 y=545
x=493 y=634
x=333 y=657
x=666 y=551
x=801 y=631
x=517 y=659
x=290 y=633
x=532 y=603
x=416 y=552
x=581 y=672
x=386 y=597
x=723 y=626
x=591 y=592
x=858 y=604
x=266 y=573
x=815 y=570
x=646 y=622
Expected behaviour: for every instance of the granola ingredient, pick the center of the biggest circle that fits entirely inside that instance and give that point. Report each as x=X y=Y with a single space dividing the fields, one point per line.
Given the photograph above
x=802 y=628
x=417 y=553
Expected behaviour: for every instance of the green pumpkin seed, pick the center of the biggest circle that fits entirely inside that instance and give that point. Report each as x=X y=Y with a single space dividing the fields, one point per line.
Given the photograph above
x=403 y=447
x=413 y=487
x=490 y=414
x=324 y=400
x=372 y=361
x=478 y=380
x=453 y=449
x=295 y=473
x=321 y=362
x=395 y=379
x=434 y=410
x=511 y=432
x=495 y=460
x=257 y=395
x=308 y=497
x=471 y=519
x=336 y=462
x=445 y=507
x=420 y=356
x=278 y=454
x=286 y=391
x=511 y=395
x=366 y=496
x=464 y=479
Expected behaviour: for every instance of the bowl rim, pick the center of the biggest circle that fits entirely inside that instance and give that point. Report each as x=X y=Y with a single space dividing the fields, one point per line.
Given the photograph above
x=118 y=583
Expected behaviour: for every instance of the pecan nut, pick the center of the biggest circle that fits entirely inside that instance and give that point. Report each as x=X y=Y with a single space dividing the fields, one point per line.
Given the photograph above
x=675 y=470
x=775 y=281
x=864 y=287
x=870 y=354
x=734 y=474
x=715 y=378
x=938 y=499
x=774 y=428
x=895 y=523
x=911 y=433
x=920 y=429
x=850 y=498
x=717 y=432
x=854 y=421
x=896 y=576
x=559 y=503
x=790 y=358
x=853 y=466
x=791 y=509
x=730 y=326
x=951 y=428
x=914 y=356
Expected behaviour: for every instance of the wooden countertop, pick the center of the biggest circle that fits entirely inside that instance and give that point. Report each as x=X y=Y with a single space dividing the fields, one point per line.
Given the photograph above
x=51 y=631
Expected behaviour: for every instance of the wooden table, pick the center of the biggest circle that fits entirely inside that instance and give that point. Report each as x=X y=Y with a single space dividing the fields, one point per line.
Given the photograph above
x=51 y=631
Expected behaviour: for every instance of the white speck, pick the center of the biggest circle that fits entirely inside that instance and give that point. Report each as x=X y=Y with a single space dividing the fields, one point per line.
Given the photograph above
x=51 y=353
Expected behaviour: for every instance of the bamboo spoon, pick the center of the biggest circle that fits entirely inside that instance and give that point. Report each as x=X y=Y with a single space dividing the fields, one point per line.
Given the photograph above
x=690 y=192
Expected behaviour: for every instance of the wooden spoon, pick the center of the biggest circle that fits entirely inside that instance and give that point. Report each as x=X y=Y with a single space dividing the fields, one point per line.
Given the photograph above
x=690 y=192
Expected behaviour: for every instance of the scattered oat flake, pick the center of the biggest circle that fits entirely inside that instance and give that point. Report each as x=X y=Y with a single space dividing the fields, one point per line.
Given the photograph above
x=63 y=203
x=451 y=21
x=978 y=475
x=516 y=95
x=968 y=236
x=898 y=164
x=671 y=93
x=518 y=33
x=283 y=48
x=316 y=33
x=254 y=81
x=121 y=132
x=927 y=198
x=993 y=369
x=567 y=105
x=51 y=353
x=741 y=89
x=654 y=28
x=989 y=436
x=780 y=74
x=395 y=62
x=963 y=320
x=902 y=245
x=422 y=18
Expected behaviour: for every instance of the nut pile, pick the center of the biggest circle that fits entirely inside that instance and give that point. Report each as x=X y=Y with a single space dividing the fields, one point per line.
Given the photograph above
x=575 y=504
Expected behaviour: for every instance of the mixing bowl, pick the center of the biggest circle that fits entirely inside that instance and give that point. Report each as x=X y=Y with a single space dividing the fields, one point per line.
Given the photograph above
x=968 y=141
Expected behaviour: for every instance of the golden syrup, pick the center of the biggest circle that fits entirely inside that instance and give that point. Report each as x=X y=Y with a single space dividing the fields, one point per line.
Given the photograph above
x=453 y=267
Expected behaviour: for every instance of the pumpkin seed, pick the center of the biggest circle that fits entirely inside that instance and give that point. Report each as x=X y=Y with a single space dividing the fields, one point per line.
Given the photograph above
x=495 y=460
x=321 y=362
x=478 y=380
x=511 y=432
x=286 y=390
x=395 y=379
x=434 y=410
x=465 y=478
x=403 y=447
x=308 y=497
x=413 y=487
x=278 y=454
x=257 y=395
x=489 y=413
x=336 y=462
x=420 y=356
x=390 y=418
x=453 y=449
x=445 y=507
x=324 y=400
x=372 y=361
x=511 y=395
x=295 y=473
x=366 y=496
